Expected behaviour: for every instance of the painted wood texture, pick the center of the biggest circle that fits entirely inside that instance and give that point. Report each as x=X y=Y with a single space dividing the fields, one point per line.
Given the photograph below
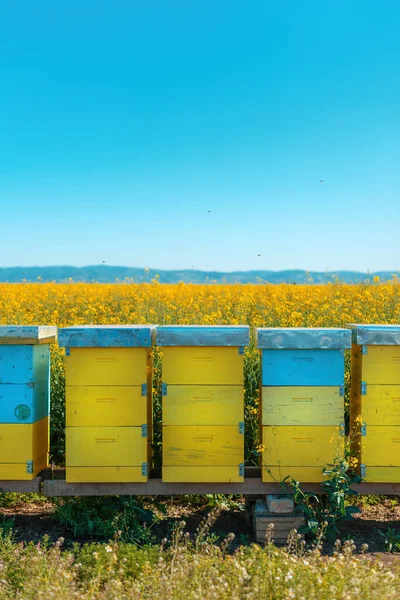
x=202 y=335
x=24 y=403
x=379 y=366
x=382 y=475
x=113 y=406
x=27 y=334
x=20 y=443
x=302 y=474
x=107 y=366
x=14 y=471
x=381 y=446
x=22 y=364
x=302 y=367
x=379 y=406
x=203 y=405
x=191 y=446
x=105 y=474
x=202 y=366
x=302 y=405
x=192 y=474
x=301 y=338
x=107 y=336
x=303 y=446
x=105 y=447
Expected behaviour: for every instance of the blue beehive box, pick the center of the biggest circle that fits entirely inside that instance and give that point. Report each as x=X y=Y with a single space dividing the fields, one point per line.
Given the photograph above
x=293 y=357
x=25 y=373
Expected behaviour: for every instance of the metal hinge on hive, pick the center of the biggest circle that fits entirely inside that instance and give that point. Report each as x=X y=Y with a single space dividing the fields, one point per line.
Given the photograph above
x=241 y=470
x=164 y=389
x=29 y=466
x=241 y=428
x=364 y=349
x=341 y=390
x=363 y=388
x=145 y=470
x=363 y=471
x=241 y=350
x=144 y=430
x=341 y=352
x=144 y=389
x=363 y=429
x=67 y=351
x=341 y=429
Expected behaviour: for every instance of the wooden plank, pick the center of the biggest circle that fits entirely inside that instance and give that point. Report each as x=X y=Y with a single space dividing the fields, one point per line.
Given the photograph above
x=202 y=366
x=107 y=336
x=214 y=474
x=105 y=474
x=189 y=445
x=202 y=335
x=106 y=366
x=203 y=405
x=24 y=364
x=27 y=334
x=381 y=365
x=304 y=405
x=105 y=406
x=105 y=447
x=279 y=473
x=302 y=367
x=381 y=446
x=380 y=405
x=252 y=486
x=23 y=441
x=304 y=446
x=34 y=486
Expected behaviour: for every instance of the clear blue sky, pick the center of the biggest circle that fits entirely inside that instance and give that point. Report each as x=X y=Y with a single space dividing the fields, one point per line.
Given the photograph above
x=123 y=123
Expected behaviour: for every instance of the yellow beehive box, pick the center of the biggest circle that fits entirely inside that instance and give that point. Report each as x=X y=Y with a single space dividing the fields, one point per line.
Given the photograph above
x=302 y=408
x=108 y=402
x=375 y=401
x=203 y=403
x=23 y=449
x=300 y=452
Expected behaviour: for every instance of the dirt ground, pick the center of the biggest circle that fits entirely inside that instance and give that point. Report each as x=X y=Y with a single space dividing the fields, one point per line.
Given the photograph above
x=31 y=521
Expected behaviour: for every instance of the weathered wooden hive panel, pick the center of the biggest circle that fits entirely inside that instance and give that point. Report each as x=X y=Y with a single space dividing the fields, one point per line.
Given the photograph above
x=24 y=400
x=302 y=400
x=108 y=402
x=375 y=401
x=203 y=403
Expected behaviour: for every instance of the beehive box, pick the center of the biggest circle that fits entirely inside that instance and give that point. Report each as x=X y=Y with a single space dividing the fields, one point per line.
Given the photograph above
x=24 y=400
x=302 y=400
x=203 y=403
x=108 y=402
x=375 y=401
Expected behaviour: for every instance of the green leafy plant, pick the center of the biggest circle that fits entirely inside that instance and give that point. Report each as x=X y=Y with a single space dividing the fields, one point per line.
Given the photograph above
x=325 y=511
x=392 y=539
x=107 y=517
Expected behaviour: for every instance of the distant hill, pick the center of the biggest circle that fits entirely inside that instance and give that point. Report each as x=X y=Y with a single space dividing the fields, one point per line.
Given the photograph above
x=110 y=274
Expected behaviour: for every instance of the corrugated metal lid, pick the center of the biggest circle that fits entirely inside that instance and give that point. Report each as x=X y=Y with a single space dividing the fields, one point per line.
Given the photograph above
x=375 y=335
x=202 y=335
x=281 y=338
x=27 y=334
x=107 y=336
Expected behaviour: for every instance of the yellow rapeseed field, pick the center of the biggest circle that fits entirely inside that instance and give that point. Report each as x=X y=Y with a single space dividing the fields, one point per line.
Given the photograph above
x=333 y=304
x=330 y=305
